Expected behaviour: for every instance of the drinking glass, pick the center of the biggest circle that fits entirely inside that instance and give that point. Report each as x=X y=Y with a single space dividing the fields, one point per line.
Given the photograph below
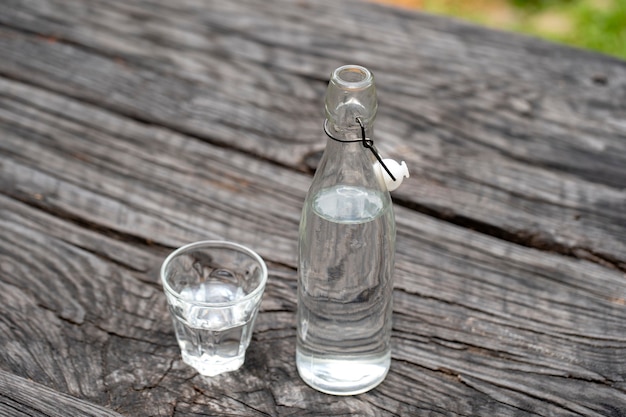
x=213 y=290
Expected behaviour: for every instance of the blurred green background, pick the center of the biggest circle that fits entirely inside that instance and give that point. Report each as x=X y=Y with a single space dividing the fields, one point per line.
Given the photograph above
x=599 y=25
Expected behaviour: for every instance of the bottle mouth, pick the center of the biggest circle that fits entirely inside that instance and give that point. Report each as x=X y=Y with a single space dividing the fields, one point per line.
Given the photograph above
x=352 y=77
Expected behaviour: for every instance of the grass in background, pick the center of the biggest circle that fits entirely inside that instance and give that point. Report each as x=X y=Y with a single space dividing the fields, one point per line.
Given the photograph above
x=592 y=24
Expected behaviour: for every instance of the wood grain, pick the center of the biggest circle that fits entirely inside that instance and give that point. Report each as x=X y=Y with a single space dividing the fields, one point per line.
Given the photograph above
x=128 y=129
x=20 y=397
x=536 y=166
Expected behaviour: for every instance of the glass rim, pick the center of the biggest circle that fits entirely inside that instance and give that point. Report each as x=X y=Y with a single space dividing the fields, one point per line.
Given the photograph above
x=214 y=244
x=364 y=77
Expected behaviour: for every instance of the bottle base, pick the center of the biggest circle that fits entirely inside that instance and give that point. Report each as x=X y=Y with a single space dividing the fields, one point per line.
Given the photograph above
x=344 y=375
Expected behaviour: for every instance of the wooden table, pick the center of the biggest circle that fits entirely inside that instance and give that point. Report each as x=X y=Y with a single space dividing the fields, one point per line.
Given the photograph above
x=128 y=128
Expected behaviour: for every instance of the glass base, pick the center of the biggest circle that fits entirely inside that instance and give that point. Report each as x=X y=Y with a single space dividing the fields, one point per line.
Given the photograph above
x=213 y=366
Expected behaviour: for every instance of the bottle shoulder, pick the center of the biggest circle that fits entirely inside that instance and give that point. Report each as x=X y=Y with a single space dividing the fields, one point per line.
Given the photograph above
x=352 y=167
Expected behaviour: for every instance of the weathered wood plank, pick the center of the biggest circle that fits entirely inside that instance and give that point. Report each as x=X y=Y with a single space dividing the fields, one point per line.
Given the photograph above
x=21 y=397
x=127 y=129
x=494 y=348
x=493 y=145
x=123 y=173
x=482 y=326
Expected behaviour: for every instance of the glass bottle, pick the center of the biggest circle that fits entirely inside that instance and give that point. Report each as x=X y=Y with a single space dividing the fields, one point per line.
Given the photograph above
x=346 y=250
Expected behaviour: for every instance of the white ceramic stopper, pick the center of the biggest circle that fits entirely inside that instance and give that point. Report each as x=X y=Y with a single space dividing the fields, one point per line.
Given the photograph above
x=399 y=171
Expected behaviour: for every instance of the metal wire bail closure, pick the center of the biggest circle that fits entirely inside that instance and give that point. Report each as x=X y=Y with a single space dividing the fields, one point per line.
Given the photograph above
x=367 y=143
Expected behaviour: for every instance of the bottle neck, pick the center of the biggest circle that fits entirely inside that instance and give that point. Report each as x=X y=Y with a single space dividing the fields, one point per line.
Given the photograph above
x=348 y=132
x=335 y=148
x=348 y=163
x=350 y=107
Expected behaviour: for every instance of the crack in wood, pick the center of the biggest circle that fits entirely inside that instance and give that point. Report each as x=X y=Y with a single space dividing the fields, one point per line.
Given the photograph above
x=544 y=397
x=534 y=240
x=38 y=202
